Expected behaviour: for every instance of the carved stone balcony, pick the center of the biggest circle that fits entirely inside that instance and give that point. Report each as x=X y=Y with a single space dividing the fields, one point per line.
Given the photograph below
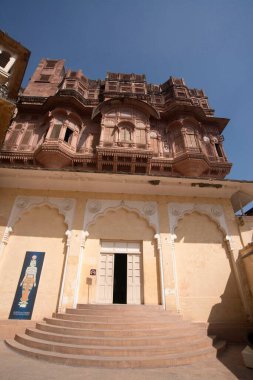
x=192 y=163
x=7 y=108
x=54 y=154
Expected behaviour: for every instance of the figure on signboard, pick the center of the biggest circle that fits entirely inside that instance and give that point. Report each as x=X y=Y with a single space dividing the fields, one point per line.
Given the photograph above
x=28 y=282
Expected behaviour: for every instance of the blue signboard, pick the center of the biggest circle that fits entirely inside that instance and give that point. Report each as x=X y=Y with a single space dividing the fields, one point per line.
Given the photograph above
x=28 y=283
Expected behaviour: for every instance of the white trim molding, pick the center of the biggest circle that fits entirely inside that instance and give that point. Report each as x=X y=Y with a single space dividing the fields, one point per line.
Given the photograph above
x=95 y=208
x=215 y=212
x=22 y=204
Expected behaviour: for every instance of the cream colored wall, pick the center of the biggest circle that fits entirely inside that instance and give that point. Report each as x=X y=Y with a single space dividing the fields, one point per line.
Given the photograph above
x=43 y=230
x=125 y=226
x=207 y=287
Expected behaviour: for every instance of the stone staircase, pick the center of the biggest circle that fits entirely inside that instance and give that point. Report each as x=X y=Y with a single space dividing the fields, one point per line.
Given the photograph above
x=116 y=336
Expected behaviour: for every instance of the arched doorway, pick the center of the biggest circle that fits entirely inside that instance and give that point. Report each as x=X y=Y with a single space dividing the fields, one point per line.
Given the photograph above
x=122 y=250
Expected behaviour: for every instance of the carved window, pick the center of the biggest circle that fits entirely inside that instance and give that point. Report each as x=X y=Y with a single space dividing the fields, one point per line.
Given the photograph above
x=178 y=143
x=139 y=90
x=218 y=150
x=44 y=78
x=56 y=131
x=154 y=142
x=126 y=88
x=68 y=135
x=27 y=136
x=191 y=139
x=124 y=134
x=4 y=58
x=140 y=136
x=50 y=64
x=14 y=135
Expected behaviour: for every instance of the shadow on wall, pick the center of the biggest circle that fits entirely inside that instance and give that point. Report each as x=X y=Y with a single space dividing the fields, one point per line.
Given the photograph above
x=205 y=276
x=237 y=332
x=227 y=319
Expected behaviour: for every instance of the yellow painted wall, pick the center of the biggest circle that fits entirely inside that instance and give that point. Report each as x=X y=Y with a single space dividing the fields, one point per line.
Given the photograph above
x=43 y=230
x=207 y=287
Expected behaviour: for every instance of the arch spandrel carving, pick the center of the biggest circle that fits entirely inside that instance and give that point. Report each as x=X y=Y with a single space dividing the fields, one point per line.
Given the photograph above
x=95 y=208
x=215 y=212
x=23 y=204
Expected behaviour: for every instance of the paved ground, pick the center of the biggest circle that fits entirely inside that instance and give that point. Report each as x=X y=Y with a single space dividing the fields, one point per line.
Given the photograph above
x=16 y=366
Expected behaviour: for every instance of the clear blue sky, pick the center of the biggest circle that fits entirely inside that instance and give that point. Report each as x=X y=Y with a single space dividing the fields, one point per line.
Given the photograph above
x=207 y=42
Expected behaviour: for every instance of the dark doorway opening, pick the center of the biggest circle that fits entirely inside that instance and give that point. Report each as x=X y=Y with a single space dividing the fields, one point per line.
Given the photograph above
x=120 y=278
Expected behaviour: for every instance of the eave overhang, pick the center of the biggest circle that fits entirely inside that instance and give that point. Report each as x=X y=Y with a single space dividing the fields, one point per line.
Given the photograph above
x=239 y=192
x=116 y=102
x=176 y=110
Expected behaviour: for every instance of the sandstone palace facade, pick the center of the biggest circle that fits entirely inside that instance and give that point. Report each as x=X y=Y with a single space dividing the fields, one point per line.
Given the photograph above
x=120 y=183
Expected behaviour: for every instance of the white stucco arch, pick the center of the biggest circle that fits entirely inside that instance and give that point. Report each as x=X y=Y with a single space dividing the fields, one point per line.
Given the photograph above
x=95 y=208
x=176 y=212
x=23 y=204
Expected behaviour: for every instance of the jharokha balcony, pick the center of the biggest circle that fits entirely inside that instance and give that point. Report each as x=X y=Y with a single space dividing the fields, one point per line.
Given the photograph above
x=121 y=125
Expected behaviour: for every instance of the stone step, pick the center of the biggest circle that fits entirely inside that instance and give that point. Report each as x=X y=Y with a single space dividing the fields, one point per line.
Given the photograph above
x=105 y=351
x=123 y=312
x=117 y=319
x=120 y=337
x=115 y=362
x=121 y=307
x=73 y=330
x=186 y=338
x=117 y=326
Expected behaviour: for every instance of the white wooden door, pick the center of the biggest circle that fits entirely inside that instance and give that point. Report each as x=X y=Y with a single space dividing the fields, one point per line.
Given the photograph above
x=134 y=279
x=105 y=281
x=106 y=271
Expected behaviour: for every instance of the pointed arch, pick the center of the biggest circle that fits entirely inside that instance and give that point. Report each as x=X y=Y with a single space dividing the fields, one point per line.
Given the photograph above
x=96 y=208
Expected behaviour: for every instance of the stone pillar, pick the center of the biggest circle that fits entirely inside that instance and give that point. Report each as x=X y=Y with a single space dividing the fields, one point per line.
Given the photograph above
x=161 y=269
x=84 y=237
x=61 y=308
